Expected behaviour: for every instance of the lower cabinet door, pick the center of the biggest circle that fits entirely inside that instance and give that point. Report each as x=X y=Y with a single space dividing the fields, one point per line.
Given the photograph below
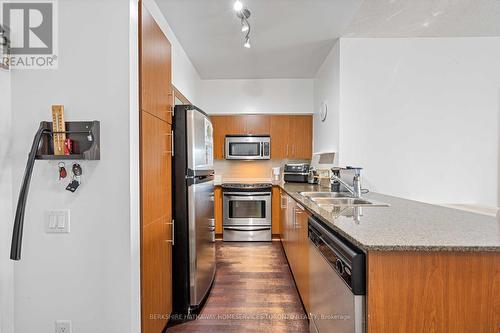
x=302 y=255
x=156 y=281
x=156 y=223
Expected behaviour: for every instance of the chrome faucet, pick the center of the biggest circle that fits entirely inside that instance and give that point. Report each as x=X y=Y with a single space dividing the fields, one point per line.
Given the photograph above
x=355 y=190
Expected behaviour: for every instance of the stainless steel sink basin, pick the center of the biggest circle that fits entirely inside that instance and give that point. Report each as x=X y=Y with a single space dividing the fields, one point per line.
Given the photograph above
x=353 y=202
x=311 y=195
x=329 y=200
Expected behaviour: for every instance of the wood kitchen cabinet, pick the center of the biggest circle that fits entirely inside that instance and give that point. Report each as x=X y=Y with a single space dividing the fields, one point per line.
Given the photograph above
x=156 y=285
x=432 y=291
x=301 y=255
x=156 y=221
x=155 y=101
x=295 y=240
x=235 y=125
x=251 y=124
x=218 y=210
x=291 y=136
x=156 y=94
x=276 y=210
x=219 y=134
x=279 y=137
x=300 y=137
x=257 y=124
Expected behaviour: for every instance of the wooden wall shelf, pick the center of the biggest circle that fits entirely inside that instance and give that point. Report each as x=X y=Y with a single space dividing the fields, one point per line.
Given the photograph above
x=85 y=136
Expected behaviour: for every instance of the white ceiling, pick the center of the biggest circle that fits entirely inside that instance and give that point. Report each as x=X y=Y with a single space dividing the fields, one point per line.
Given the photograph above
x=291 y=38
x=426 y=18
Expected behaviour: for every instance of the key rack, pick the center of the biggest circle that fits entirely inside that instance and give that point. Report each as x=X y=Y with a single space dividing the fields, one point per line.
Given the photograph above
x=84 y=134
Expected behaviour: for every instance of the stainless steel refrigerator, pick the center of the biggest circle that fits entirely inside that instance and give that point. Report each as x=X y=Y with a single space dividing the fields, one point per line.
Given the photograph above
x=193 y=209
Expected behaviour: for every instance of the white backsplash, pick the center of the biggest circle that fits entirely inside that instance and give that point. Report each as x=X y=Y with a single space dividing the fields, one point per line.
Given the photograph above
x=251 y=171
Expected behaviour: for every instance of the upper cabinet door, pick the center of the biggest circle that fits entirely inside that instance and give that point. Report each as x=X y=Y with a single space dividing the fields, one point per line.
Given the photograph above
x=257 y=124
x=156 y=169
x=155 y=74
x=300 y=132
x=219 y=125
x=280 y=139
x=235 y=125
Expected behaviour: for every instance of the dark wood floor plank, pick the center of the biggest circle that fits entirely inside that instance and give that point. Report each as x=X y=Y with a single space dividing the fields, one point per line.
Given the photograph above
x=253 y=291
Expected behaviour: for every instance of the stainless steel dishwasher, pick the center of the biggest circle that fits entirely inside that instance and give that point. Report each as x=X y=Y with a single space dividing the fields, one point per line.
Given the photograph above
x=337 y=282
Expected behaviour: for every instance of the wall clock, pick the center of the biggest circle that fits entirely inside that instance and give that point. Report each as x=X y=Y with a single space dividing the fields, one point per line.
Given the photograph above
x=323 y=112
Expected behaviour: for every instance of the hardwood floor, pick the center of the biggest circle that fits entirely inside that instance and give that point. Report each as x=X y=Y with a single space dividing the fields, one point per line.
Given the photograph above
x=253 y=292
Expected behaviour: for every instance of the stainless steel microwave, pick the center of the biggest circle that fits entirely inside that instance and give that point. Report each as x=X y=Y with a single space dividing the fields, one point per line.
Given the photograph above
x=247 y=147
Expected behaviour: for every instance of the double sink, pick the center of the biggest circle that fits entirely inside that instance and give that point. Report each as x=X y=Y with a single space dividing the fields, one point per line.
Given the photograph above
x=332 y=200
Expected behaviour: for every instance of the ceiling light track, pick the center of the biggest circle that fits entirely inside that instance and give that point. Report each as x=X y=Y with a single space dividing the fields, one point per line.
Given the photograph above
x=243 y=14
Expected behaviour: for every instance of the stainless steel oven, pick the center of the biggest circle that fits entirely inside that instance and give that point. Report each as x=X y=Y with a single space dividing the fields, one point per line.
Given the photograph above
x=239 y=147
x=247 y=212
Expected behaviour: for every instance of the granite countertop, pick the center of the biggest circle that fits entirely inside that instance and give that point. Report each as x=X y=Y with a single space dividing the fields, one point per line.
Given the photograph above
x=406 y=225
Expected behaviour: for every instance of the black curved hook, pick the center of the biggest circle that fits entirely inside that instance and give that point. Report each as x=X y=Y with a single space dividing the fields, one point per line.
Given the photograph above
x=17 y=233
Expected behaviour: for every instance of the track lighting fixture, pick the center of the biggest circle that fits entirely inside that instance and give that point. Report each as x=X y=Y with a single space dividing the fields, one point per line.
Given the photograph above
x=238 y=6
x=243 y=14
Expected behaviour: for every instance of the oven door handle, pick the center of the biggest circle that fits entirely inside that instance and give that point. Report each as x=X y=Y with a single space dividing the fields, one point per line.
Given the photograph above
x=247 y=229
x=249 y=194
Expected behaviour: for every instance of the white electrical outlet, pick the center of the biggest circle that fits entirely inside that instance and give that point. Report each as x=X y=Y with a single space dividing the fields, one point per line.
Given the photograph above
x=63 y=326
x=57 y=221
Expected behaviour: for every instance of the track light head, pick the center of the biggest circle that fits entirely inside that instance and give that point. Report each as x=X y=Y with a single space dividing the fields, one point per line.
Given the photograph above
x=238 y=6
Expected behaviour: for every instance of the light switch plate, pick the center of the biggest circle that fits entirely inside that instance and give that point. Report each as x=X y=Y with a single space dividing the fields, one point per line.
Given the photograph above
x=57 y=221
x=63 y=326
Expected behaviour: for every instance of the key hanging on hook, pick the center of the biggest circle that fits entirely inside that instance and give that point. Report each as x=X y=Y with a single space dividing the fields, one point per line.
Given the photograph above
x=75 y=182
x=62 y=170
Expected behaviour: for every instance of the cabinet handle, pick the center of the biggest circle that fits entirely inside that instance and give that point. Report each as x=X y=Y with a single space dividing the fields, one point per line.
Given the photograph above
x=171 y=109
x=173 y=233
x=283 y=201
x=171 y=135
x=287 y=150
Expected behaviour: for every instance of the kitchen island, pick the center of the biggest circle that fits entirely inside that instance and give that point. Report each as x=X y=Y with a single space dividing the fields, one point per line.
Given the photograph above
x=429 y=268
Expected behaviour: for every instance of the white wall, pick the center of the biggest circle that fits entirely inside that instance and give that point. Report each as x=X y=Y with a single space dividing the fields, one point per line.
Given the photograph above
x=421 y=116
x=184 y=74
x=257 y=96
x=327 y=90
x=85 y=276
x=6 y=266
x=498 y=160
